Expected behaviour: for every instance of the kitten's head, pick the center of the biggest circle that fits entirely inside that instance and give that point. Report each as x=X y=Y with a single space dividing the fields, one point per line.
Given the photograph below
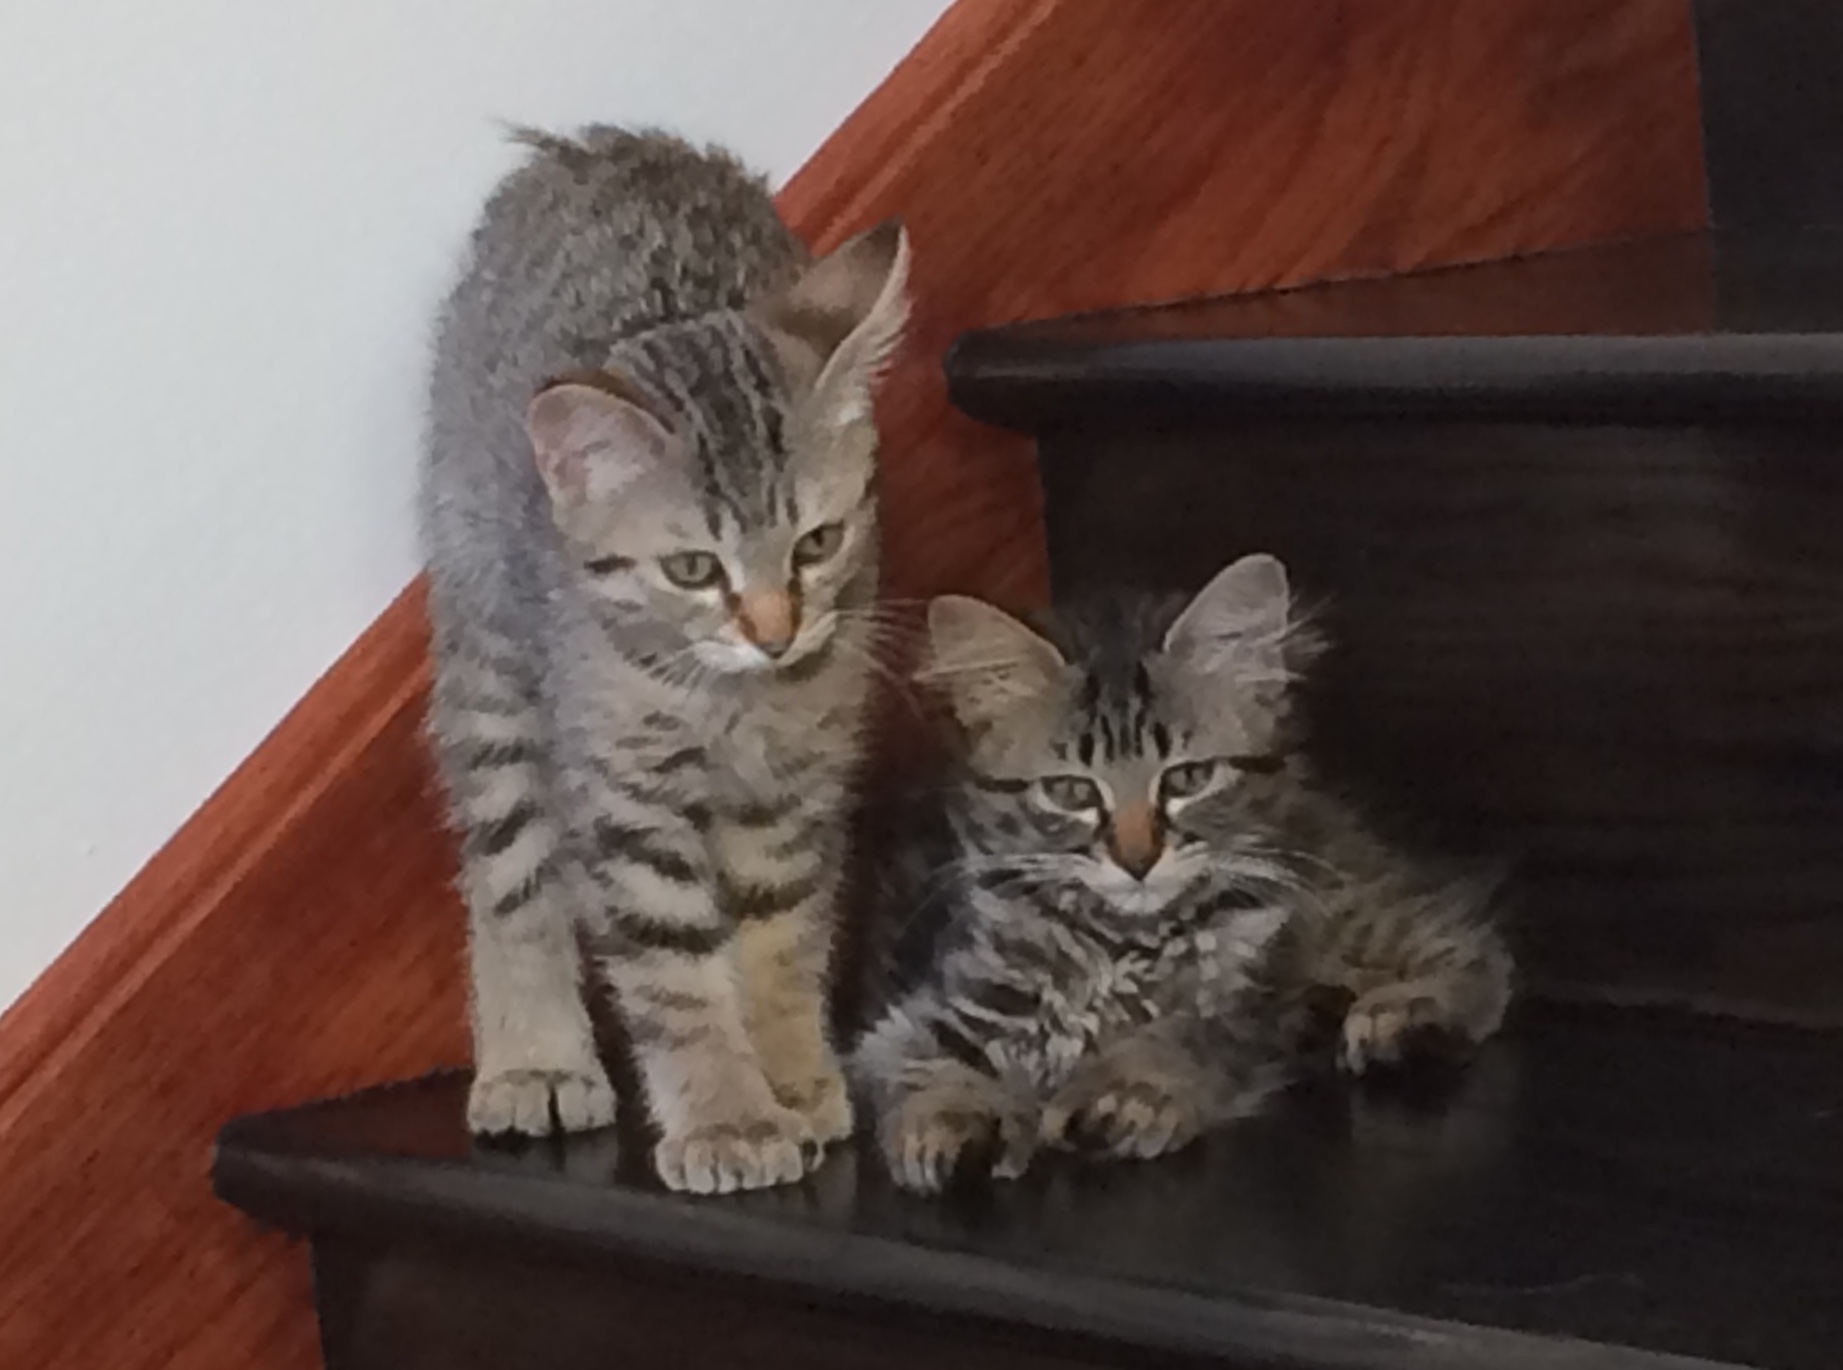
x=1125 y=746
x=716 y=478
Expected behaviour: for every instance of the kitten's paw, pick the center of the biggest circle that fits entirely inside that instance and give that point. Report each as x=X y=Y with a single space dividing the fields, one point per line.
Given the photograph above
x=825 y=1103
x=1105 y=1110
x=1393 y=1024
x=723 y=1155
x=937 y=1137
x=535 y=1103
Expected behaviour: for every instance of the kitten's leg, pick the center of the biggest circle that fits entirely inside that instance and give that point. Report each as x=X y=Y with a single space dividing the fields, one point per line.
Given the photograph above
x=721 y=1127
x=667 y=950
x=1157 y=1090
x=535 y=1063
x=781 y=874
x=1438 y=1013
x=941 y=1115
x=1429 y=973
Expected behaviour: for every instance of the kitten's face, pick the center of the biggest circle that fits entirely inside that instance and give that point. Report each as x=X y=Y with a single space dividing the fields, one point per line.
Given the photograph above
x=716 y=481
x=1127 y=754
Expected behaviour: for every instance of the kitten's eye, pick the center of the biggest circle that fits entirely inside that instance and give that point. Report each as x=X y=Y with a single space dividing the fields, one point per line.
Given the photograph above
x=819 y=544
x=692 y=570
x=1072 y=792
x=1187 y=779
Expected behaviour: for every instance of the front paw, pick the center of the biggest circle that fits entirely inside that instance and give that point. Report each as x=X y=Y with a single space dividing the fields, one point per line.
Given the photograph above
x=825 y=1103
x=726 y=1154
x=1110 y=1109
x=1395 y=1024
x=952 y=1131
x=536 y=1103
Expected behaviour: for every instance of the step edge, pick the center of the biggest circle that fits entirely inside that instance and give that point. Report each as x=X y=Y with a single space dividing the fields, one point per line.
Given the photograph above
x=417 y=1200
x=1036 y=384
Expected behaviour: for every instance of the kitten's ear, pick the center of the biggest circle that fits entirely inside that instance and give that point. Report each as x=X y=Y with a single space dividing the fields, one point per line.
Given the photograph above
x=847 y=311
x=1240 y=620
x=592 y=440
x=985 y=659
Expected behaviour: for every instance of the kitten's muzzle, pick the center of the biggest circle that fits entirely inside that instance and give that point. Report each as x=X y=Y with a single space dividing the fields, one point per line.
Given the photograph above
x=1136 y=838
x=769 y=619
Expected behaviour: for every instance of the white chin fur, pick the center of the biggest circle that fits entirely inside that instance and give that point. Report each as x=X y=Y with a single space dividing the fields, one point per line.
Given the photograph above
x=1139 y=899
x=1167 y=879
x=737 y=657
x=732 y=658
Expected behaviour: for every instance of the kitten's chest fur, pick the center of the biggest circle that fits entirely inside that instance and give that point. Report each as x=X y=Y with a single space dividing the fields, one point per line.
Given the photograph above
x=1097 y=993
x=758 y=748
x=754 y=738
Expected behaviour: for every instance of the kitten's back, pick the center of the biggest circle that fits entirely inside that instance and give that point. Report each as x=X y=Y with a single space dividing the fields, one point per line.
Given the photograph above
x=595 y=238
x=602 y=235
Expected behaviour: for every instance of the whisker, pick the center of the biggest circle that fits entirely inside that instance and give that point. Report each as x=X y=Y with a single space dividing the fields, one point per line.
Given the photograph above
x=935 y=670
x=898 y=682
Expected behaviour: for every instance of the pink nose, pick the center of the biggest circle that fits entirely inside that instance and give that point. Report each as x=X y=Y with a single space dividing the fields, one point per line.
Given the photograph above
x=1135 y=839
x=768 y=618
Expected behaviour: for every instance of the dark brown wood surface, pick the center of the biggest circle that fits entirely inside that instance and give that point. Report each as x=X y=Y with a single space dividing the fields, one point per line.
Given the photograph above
x=1598 y=1190
x=1568 y=522
x=1772 y=115
x=299 y=936
x=1115 y=152
x=422 y=1308
x=1612 y=655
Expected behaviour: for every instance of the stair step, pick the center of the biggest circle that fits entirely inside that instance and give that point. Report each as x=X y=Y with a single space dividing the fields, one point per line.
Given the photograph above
x=1568 y=521
x=1604 y=1191
x=1662 y=329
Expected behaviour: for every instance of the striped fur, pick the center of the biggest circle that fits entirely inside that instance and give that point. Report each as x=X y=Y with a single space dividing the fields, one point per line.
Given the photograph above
x=1111 y=929
x=650 y=518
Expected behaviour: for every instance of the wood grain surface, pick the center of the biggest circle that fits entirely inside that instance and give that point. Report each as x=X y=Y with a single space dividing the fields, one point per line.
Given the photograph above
x=1111 y=152
x=299 y=936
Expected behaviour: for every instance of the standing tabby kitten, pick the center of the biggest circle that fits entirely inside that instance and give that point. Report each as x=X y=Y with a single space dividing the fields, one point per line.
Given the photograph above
x=651 y=530
x=1138 y=890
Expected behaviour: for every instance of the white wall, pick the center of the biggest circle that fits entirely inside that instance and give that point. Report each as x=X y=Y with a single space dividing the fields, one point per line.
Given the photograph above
x=223 y=227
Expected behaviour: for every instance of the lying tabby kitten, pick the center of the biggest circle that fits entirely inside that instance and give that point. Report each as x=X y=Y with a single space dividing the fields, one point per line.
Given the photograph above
x=652 y=539
x=1137 y=891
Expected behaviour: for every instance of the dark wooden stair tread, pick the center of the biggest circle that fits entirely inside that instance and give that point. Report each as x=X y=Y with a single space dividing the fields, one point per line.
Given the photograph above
x=1663 y=329
x=1605 y=1189
x=1568 y=521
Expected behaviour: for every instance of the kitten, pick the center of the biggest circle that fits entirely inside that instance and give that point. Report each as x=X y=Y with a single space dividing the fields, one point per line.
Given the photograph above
x=1138 y=893
x=648 y=505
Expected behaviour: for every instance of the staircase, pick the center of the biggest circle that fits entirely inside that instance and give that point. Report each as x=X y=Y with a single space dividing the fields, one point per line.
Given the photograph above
x=1571 y=521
